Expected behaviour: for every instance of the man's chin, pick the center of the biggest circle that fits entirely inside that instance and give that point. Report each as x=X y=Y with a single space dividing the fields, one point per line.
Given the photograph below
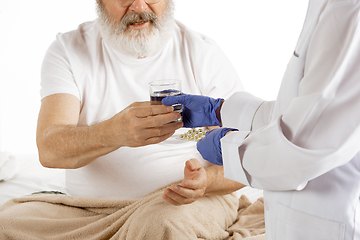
x=138 y=32
x=136 y=43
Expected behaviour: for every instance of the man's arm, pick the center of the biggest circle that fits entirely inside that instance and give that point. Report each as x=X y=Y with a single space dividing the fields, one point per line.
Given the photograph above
x=217 y=184
x=63 y=144
x=199 y=181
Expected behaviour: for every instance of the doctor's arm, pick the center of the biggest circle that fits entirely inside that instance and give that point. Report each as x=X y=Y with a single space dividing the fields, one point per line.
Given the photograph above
x=320 y=128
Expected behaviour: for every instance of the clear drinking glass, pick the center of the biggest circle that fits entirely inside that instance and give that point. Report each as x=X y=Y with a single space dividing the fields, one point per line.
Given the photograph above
x=160 y=89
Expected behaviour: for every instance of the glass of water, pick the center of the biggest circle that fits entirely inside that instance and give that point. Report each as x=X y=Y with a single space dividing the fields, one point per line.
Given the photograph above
x=160 y=89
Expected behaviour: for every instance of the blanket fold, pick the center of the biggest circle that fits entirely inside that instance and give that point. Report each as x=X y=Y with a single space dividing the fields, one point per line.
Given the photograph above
x=250 y=222
x=58 y=216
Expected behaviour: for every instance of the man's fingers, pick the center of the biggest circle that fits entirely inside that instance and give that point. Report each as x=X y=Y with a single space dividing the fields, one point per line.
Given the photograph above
x=194 y=175
x=160 y=120
x=177 y=199
x=151 y=110
x=161 y=131
x=189 y=193
x=154 y=135
x=193 y=165
x=194 y=178
x=170 y=200
x=191 y=188
x=193 y=184
x=173 y=198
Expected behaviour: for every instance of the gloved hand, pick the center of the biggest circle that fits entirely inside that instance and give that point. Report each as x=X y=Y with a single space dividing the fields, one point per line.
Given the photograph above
x=210 y=147
x=198 y=111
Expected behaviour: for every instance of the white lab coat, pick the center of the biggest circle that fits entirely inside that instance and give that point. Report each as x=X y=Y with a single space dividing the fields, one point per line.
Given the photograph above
x=303 y=149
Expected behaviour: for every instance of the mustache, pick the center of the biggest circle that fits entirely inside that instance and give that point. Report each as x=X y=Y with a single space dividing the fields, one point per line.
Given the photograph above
x=132 y=17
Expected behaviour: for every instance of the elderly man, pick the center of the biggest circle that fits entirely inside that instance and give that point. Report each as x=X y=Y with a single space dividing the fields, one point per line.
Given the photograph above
x=95 y=122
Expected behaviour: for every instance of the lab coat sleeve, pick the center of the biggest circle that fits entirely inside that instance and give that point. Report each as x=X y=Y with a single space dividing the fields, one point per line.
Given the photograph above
x=320 y=129
x=246 y=105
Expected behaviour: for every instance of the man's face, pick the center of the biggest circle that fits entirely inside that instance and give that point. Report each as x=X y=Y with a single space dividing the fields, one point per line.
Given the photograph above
x=118 y=13
x=138 y=29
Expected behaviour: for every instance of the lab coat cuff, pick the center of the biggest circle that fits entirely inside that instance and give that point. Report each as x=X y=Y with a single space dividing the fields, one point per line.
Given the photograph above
x=238 y=111
x=233 y=168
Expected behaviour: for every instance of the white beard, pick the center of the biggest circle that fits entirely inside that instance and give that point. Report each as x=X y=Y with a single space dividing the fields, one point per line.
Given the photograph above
x=137 y=43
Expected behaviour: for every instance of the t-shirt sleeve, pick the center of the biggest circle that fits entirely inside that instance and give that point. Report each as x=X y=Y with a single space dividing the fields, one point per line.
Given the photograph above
x=56 y=74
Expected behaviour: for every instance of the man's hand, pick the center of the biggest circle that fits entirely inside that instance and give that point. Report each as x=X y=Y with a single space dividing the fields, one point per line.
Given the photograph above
x=191 y=188
x=142 y=124
x=198 y=111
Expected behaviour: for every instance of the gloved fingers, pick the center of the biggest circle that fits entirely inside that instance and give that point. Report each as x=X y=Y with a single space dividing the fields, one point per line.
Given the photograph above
x=210 y=147
x=178 y=99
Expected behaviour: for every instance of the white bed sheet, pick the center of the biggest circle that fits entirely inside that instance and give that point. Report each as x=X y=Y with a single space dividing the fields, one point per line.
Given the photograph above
x=32 y=177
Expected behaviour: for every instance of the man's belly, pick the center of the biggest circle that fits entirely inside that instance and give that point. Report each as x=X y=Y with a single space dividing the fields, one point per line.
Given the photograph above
x=130 y=173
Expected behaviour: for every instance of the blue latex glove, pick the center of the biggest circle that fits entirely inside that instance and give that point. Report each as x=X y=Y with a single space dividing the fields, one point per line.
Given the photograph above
x=198 y=111
x=210 y=147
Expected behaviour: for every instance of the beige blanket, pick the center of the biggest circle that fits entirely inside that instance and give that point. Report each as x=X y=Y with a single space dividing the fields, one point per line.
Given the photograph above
x=49 y=216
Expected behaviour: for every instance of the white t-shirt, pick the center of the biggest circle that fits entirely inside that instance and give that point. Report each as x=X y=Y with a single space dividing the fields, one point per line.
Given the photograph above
x=105 y=81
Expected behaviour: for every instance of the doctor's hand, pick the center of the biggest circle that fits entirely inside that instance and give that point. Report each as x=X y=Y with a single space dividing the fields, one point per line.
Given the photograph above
x=191 y=188
x=142 y=124
x=198 y=111
x=210 y=146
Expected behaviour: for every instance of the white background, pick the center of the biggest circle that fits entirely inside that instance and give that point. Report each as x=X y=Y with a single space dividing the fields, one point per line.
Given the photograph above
x=257 y=36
